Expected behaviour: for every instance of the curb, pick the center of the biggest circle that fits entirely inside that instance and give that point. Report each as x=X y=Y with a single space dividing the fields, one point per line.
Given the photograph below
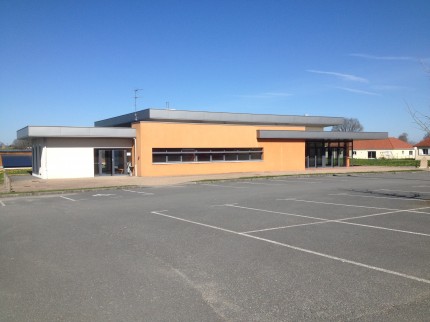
x=7 y=184
x=12 y=193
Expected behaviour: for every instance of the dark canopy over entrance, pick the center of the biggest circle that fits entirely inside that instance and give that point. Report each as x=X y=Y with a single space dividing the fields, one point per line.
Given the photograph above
x=327 y=153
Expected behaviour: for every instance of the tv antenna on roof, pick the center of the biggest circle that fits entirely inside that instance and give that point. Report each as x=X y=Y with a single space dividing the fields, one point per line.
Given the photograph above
x=135 y=102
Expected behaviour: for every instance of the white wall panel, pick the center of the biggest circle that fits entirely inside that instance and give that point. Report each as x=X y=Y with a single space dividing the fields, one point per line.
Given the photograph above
x=70 y=163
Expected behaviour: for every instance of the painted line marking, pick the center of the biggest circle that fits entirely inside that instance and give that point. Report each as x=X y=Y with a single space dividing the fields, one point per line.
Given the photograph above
x=340 y=221
x=160 y=213
x=104 y=195
x=414 y=210
x=361 y=196
x=308 y=251
x=2 y=203
x=67 y=198
x=223 y=205
x=273 y=212
x=383 y=228
x=221 y=186
x=141 y=192
x=334 y=204
x=283 y=227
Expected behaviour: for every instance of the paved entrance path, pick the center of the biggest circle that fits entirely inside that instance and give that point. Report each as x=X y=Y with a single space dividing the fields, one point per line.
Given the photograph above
x=30 y=184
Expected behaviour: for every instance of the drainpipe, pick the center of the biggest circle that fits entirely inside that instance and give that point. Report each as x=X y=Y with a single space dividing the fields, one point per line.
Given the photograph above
x=135 y=157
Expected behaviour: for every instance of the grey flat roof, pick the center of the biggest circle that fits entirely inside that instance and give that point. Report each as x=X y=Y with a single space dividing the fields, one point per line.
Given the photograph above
x=218 y=117
x=320 y=135
x=75 y=132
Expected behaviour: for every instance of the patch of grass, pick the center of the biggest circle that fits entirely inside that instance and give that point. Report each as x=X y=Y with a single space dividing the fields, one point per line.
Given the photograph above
x=18 y=172
x=13 y=172
x=386 y=162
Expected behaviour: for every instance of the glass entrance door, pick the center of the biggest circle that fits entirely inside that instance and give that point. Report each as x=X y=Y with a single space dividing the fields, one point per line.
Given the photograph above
x=103 y=162
x=326 y=153
x=110 y=162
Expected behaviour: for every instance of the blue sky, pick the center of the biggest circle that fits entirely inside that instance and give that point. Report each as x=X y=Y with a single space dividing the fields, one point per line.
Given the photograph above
x=75 y=62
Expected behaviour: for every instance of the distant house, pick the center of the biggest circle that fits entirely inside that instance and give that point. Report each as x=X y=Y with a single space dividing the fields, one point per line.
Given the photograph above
x=390 y=148
x=422 y=149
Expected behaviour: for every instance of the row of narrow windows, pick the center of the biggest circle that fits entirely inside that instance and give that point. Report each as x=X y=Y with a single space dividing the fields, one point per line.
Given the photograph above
x=162 y=155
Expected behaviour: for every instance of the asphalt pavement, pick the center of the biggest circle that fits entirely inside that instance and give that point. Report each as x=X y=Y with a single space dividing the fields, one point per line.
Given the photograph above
x=340 y=247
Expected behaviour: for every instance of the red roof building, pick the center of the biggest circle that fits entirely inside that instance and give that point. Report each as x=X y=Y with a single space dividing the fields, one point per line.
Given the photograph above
x=423 y=148
x=423 y=144
x=390 y=148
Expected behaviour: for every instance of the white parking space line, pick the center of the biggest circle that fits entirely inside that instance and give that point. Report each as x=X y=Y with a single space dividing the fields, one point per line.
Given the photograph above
x=326 y=221
x=140 y=192
x=343 y=260
x=308 y=251
x=334 y=204
x=361 y=196
x=222 y=186
x=160 y=213
x=2 y=203
x=273 y=212
x=67 y=198
x=284 y=227
x=383 y=228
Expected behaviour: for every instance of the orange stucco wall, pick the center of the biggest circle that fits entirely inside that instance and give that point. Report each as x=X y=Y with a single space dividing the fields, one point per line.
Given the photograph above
x=277 y=155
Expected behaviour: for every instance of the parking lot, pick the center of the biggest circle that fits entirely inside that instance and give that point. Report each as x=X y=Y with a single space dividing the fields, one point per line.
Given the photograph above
x=334 y=247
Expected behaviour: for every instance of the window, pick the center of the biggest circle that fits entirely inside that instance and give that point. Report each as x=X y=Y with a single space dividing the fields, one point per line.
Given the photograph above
x=371 y=154
x=425 y=151
x=411 y=153
x=161 y=155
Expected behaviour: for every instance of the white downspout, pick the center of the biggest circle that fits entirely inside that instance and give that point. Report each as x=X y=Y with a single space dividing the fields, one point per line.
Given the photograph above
x=135 y=157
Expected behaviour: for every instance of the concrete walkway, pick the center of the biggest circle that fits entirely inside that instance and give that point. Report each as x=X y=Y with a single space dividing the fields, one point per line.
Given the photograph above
x=29 y=184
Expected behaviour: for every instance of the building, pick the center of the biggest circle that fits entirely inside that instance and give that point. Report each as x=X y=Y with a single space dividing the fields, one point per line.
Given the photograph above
x=389 y=148
x=155 y=142
x=15 y=158
x=422 y=149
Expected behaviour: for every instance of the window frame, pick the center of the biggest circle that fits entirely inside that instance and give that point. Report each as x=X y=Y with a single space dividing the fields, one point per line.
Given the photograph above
x=206 y=155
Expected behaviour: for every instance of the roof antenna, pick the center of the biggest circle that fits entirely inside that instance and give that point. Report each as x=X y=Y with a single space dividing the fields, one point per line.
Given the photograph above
x=135 y=102
x=167 y=106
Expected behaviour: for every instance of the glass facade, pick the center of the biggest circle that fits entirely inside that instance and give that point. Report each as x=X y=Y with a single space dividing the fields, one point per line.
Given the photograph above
x=320 y=154
x=111 y=161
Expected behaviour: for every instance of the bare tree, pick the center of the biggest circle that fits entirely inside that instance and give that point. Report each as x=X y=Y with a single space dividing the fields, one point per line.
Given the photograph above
x=404 y=137
x=420 y=119
x=349 y=125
